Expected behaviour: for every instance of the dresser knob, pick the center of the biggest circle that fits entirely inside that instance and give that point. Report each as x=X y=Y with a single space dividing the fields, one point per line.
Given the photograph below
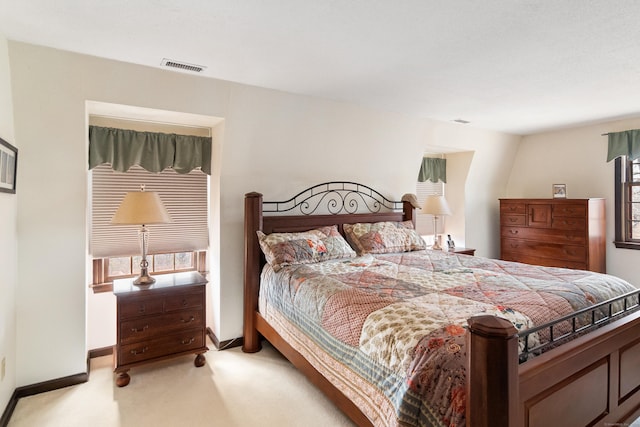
x=513 y=231
x=185 y=303
x=142 y=309
x=188 y=341
x=188 y=321
x=140 y=329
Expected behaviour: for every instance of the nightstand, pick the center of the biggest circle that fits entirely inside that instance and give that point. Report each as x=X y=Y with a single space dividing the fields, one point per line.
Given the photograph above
x=164 y=320
x=464 y=251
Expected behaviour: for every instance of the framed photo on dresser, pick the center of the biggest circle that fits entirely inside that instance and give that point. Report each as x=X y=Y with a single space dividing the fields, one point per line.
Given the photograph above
x=559 y=191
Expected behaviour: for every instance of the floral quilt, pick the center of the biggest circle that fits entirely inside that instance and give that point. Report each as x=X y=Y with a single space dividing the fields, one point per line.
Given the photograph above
x=389 y=329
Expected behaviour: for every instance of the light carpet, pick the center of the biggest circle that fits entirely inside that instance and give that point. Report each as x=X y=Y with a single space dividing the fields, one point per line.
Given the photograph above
x=232 y=389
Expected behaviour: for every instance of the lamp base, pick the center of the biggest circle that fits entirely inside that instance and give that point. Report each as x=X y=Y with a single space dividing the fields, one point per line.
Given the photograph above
x=436 y=243
x=144 y=279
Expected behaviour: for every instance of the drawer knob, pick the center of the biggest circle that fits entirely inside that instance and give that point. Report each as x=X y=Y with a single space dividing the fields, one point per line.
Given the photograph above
x=513 y=231
x=142 y=308
x=188 y=341
x=513 y=219
x=140 y=329
x=191 y=319
x=134 y=352
x=185 y=303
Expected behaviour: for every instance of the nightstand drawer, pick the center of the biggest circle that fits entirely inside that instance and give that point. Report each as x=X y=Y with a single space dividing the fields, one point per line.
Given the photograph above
x=136 y=307
x=148 y=327
x=176 y=343
x=191 y=299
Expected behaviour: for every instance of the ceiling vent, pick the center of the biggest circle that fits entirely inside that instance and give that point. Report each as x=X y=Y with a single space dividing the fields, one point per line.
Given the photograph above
x=464 y=122
x=182 y=65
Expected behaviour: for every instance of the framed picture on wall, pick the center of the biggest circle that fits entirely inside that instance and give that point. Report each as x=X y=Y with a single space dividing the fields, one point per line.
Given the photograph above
x=559 y=191
x=8 y=167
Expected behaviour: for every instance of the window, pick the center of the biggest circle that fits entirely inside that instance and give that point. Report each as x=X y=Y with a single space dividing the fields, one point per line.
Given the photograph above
x=627 y=203
x=178 y=246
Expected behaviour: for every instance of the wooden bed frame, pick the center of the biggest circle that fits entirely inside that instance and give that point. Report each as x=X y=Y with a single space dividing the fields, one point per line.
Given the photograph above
x=591 y=380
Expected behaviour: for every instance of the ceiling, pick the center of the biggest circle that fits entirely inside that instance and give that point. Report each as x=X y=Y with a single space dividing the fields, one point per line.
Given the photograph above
x=517 y=66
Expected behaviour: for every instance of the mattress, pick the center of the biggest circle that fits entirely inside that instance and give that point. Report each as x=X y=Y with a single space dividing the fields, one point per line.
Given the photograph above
x=388 y=330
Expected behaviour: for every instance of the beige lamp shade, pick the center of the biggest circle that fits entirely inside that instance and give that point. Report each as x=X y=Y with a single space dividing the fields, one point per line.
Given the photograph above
x=141 y=208
x=436 y=205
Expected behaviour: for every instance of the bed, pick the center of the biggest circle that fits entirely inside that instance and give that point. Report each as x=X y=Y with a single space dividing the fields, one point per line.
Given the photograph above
x=478 y=348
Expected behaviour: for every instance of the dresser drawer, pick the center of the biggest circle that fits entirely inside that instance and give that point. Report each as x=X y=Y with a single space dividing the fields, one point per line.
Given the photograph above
x=152 y=326
x=192 y=299
x=513 y=208
x=512 y=219
x=162 y=346
x=136 y=307
x=569 y=223
x=576 y=237
x=570 y=210
x=544 y=249
x=547 y=262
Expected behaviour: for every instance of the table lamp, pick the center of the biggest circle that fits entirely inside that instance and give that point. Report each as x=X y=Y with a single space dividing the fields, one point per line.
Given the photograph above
x=142 y=208
x=436 y=206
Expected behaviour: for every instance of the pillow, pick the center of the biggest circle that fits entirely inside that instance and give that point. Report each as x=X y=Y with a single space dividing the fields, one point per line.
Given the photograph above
x=383 y=237
x=321 y=244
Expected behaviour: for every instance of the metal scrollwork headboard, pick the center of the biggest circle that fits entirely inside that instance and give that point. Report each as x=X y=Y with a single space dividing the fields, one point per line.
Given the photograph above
x=335 y=197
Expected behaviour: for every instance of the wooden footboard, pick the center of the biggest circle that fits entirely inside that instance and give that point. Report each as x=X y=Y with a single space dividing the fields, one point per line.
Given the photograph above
x=592 y=380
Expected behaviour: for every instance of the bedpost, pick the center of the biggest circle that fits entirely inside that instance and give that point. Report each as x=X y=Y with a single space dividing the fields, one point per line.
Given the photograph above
x=252 y=223
x=492 y=378
x=409 y=206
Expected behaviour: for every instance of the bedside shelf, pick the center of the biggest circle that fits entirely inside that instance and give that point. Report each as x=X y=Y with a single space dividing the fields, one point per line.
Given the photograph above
x=463 y=251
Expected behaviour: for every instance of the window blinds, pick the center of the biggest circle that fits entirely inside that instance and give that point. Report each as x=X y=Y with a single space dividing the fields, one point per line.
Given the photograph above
x=184 y=195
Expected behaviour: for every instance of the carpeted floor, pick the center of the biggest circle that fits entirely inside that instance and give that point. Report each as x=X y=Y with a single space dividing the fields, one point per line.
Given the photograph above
x=232 y=389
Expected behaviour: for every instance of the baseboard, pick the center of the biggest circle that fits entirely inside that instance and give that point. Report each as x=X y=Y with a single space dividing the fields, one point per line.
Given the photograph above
x=43 y=387
x=99 y=352
x=235 y=342
x=8 y=411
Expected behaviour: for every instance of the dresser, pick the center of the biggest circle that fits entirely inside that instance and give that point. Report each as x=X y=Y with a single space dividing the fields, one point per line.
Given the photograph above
x=164 y=320
x=554 y=232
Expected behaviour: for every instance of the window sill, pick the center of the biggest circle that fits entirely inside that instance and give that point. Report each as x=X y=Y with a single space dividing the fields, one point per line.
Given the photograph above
x=102 y=287
x=627 y=245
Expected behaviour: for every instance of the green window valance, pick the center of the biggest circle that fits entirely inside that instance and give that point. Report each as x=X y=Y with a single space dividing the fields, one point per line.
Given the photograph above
x=433 y=169
x=626 y=143
x=153 y=151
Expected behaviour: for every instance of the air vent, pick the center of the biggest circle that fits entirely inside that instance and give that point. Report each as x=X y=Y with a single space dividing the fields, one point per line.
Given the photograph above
x=464 y=122
x=182 y=65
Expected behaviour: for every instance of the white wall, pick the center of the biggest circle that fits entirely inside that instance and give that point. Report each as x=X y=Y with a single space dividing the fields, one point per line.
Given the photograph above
x=8 y=240
x=275 y=143
x=576 y=157
x=458 y=165
x=493 y=155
